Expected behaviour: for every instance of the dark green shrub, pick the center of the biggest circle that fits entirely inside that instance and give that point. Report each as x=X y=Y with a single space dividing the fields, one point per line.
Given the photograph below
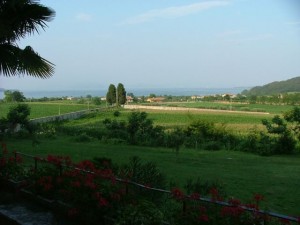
x=144 y=212
x=117 y=113
x=212 y=145
x=83 y=138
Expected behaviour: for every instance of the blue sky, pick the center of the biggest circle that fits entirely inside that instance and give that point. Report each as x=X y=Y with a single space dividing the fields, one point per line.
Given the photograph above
x=166 y=43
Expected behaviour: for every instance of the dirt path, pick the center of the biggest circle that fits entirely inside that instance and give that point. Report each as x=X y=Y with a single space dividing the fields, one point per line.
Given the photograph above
x=169 y=108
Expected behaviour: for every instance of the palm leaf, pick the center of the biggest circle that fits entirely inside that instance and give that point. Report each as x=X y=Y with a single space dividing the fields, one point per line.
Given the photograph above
x=15 y=61
x=21 y=17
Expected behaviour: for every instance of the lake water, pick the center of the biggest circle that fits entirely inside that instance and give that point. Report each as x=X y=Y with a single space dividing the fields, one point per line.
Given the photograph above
x=135 y=91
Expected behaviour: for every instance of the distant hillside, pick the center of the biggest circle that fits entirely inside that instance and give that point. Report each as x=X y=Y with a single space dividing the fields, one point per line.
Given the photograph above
x=277 y=87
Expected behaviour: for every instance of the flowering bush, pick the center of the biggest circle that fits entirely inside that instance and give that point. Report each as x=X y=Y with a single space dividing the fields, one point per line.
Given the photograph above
x=10 y=165
x=92 y=194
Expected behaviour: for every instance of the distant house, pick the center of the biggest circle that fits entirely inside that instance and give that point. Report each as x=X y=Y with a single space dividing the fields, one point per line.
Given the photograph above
x=157 y=99
x=103 y=98
x=229 y=95
x=129 y=99
x=195 y=97
x=70 y=98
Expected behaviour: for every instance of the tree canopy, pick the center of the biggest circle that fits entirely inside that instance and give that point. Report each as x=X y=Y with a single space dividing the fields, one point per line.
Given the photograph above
x=121 y=94
x=19 y=18
x=111 y=94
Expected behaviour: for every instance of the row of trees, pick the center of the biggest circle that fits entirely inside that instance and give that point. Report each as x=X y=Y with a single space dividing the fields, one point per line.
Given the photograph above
x=116 y=95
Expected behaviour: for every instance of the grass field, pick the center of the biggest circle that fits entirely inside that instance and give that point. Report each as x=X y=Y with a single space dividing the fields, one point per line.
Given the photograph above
x=276 y=177
x=47 y=108
x=236 y=122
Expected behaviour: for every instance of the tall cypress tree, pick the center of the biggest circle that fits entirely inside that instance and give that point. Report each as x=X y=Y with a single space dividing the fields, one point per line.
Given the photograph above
x=111 y=94
x=121 y=94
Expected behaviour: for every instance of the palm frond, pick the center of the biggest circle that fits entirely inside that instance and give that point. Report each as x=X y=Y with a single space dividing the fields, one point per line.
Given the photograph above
x=15 y=61
x=21 y=17
x=34 y=65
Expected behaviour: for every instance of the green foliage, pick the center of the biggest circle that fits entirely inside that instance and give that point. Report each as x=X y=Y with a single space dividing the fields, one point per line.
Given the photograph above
x=175 y=139
x=117 y=113
x=115 y=129
x=19 y=115
x=293 y=116
x=203 y=187
x=121 y=94
x=142 y=131
x=285 y=142
x=13 y=96
x=144 y=212
x=144 y=173
x=291 y=85
x=111 y=94
x=83 y=137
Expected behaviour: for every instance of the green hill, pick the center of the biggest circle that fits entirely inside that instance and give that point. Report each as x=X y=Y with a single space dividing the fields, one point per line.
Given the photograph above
x=277 y=87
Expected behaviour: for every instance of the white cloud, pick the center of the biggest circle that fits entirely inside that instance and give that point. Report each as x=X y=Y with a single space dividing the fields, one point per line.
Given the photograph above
x=84 y=17
x=174 y=12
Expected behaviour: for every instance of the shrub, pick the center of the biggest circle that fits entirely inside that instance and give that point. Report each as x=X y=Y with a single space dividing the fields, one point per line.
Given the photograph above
x=144 y=212
x=117 y=113
x=83 y=138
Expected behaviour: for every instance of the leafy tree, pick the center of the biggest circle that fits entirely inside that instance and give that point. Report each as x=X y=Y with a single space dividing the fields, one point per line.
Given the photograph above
x=18 y=115
x=18 y=19
x=293 y=116
x=141 y=130
x=13 y=96
x=285 y=141
x=111 y=94
x=96 y=100
x=121 y=94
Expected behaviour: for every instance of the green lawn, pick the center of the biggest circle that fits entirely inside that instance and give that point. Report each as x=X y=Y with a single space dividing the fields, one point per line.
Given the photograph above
x=47 y=108
x=276 y=177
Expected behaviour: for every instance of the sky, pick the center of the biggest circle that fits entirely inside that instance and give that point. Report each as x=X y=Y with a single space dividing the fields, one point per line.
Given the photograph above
x=166 y=44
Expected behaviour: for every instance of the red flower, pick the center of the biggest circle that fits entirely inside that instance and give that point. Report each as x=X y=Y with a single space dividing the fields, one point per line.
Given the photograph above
x=234 y=202
x=76 y=184
x=258 y=197
x=231 y=211
x=195 y=196
x=177 y=194
x=2 y=162
x=214 y=194
x=202 y=209
x=204 y=218
x=284 y=221
x=72 y=212
x=102 y=202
